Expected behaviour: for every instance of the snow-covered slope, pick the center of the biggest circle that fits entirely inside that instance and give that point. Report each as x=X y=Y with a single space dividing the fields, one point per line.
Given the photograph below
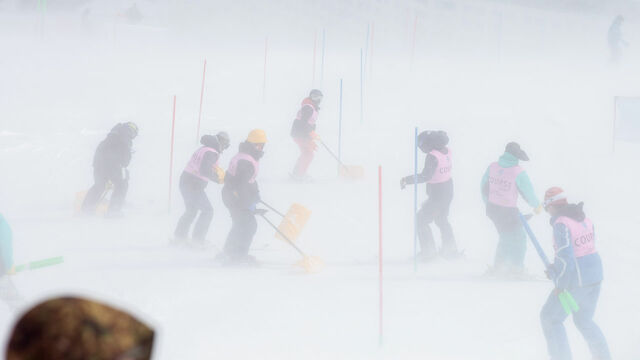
x=485 y=73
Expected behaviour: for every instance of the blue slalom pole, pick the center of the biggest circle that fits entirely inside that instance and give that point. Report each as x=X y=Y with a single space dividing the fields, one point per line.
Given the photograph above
x=569 y=304
x=366 y=45
x=340 y=125
x=535 y=242
x=415 y=200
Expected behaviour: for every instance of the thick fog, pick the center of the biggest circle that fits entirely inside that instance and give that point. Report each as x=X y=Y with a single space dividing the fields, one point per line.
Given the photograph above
x=542 y=74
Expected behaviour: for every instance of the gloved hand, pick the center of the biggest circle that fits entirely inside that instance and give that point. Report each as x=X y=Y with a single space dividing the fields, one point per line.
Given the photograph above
x=260 y=212
x=551 y=274
x=314 y=135
x=403 y=183
x=219 y=174
x=558 y=291
x=538 y=210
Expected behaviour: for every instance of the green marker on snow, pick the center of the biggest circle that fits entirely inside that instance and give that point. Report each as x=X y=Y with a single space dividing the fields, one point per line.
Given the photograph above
x=40 y=264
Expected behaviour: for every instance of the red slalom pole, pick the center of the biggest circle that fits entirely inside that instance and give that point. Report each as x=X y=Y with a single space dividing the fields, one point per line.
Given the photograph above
x=204 y=73
x=173 y=127
x=380 y=248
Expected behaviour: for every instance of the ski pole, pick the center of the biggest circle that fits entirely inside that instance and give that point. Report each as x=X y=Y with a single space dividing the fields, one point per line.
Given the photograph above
x=567 y=301
x=272 y=208
x=284 y=236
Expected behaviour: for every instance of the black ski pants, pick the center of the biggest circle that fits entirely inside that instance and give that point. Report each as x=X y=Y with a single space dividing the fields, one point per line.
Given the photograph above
x=195 y=199
x=435 y=209
x=243 y=229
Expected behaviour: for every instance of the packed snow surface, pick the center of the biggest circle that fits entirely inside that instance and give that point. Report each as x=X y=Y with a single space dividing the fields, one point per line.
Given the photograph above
x=484 y=72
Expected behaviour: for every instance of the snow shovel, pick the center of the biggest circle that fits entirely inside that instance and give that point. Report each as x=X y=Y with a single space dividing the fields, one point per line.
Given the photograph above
x=292 y=222
x=567 y=301
x=345 y=171
x=310 y=264
x=103 y=203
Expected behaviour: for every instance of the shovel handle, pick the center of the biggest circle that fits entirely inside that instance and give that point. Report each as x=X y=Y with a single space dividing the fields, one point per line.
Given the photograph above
x=334 y=155
x=284 y=236
x=272 y=208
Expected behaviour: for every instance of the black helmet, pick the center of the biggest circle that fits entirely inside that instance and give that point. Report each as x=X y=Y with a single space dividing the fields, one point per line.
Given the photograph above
x=132 y=128
x=425 y=141
x=223 y=140
x=514 y=149
x=316 y=96
x=440 y=139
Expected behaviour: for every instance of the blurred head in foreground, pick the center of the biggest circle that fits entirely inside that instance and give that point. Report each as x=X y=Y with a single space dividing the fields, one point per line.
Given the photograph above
x=75 y=329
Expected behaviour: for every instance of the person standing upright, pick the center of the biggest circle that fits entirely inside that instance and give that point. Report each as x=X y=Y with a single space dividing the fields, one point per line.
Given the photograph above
x=303 y=132
x=437 y=174
x=202 y=168
x=240 y=195
x=502 y=183
x=615 y=39
x=577 y=268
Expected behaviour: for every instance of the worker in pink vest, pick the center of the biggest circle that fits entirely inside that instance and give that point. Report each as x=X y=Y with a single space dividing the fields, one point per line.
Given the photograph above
x=577 y=268
x=202 y=168
x=303 y=132
x=502 y=184
x=240 y=195
x=437 y=174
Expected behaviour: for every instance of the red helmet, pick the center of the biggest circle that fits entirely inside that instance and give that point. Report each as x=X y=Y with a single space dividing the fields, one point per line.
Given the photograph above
x=554 y=196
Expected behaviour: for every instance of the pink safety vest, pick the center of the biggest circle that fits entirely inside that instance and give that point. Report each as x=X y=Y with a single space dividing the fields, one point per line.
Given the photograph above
x=582 y=236
x=193 y=167
x=503 y=190
x=314 y=117
x=443 y=171
x=233 y=166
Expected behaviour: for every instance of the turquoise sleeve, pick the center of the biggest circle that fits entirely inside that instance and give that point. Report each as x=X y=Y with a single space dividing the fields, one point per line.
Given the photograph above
x=526 y=190
x=6 y=246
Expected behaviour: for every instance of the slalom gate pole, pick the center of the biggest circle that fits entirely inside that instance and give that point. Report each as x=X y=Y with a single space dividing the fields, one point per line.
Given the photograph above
x=272 y=208
x=373 y=24
x=315 y=47
x=567 y=301
x=381 y=333
x=39 y=264
x=535 y=242
x=413 y=40
x=264 y=71
x=204 y=73
x=340 y=124
x=322 y=58
x=361 y=88
x=366 y=46
x=415 y=200
x=173 y=127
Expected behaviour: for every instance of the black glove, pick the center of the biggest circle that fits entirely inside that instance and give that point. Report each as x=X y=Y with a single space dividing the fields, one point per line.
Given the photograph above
x=550 y=273
x=403 y=183
x=260 y=212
